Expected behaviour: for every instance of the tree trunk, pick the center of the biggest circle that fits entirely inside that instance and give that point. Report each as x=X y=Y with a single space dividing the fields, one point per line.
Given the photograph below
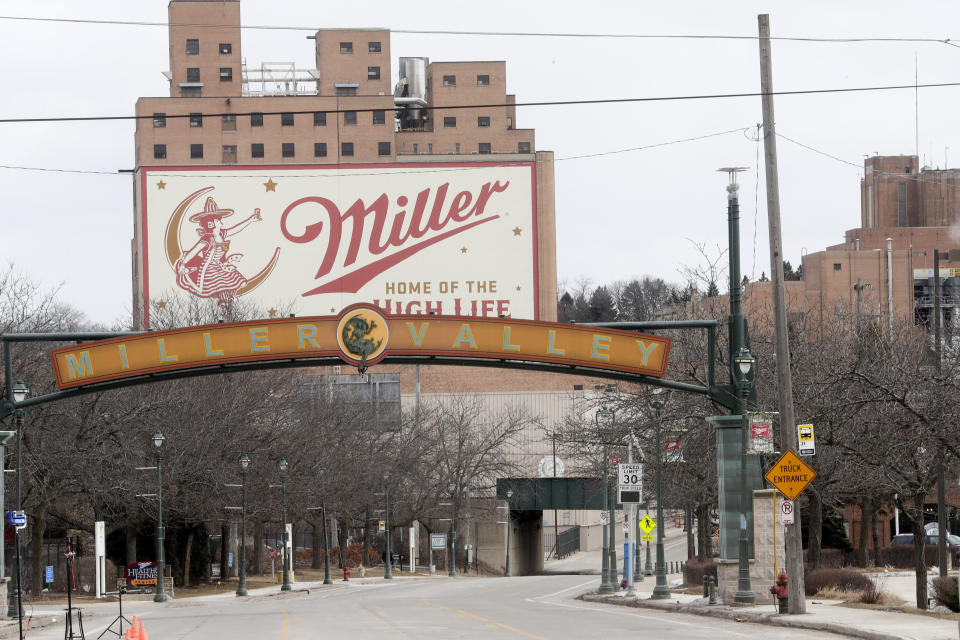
x=691 y=546
x=366 y=535
x=704 y=527
x=866 y=515
x=224 y=550
x=187 y=549
x=130 y=535
x=317 y=558
x=36 y=546
x=815 y=532
x=919 y=540
x=258 y=547
x=342 y=540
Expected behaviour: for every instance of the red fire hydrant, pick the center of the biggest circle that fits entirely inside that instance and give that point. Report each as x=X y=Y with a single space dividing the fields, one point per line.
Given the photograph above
x=779 y=589
x=346 y=574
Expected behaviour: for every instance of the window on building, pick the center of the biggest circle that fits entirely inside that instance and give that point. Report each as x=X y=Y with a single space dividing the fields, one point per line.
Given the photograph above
x=836 y=266
x=373 y=73
x=457 y=147
x=416 y=148
x=509 y=122
x=287 y=150
x=225 y=48
x=346 y=47
x=346 y=149
x=193 y=74
x=483 y=80
x=379 y=117
x=256 y=150
x=196 y=151
x=256 y=119
x=191 y=92
x=159 y=120
x=286 y=119
x=429 y=147
x=483 y=121
x=160 y=151
x=229 y=154
x=901 y=204
x=319 y=118
x=373 y=47
x=226 y=74
x=319 y=149
x=484 y=147
x=193 y=46
x=449 y=121
x=228 y=122
x=383 y=148
x=349 y=117
x=346 y=91
x=523 y=147
x=196 y=119
x=449 y=81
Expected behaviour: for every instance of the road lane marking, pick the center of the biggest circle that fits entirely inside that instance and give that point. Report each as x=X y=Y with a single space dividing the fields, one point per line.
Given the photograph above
x=460 y=613
x=663 y=619
x=284 y=625
x=556 y=593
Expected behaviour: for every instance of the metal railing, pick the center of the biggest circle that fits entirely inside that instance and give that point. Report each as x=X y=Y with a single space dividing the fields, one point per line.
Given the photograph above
x=562 y=545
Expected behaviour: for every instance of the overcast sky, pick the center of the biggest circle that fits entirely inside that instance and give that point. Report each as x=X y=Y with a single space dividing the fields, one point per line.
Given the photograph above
x=619 y=216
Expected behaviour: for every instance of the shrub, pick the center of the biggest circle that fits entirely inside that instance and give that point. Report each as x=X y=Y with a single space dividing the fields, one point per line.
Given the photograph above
x=839 y=579
x=902 y=556
x=945 y=592
x=694 y=571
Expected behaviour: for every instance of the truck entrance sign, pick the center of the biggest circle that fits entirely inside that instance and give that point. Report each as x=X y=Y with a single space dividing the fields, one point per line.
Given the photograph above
x=790 y=475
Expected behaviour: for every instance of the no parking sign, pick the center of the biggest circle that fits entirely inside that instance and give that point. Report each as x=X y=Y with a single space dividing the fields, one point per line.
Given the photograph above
x=786 y=512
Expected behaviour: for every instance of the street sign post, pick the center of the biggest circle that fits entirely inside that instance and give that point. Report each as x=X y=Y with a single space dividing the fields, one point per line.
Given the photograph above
x=630 y=483
x=647 y=524
x=17 y=519
x=438 y=541
x=381 y=526
x=790 y=475
x=604 y=517
x=805 y=442
x=786 y=512
x=647 y=537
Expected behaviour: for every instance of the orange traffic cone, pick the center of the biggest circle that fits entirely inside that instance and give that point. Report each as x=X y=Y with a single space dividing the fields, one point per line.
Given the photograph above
x=132 y=629
x=135 y=630
x=143 y=632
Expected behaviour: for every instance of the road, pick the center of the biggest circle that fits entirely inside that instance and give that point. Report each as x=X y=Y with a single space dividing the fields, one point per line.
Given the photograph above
x=530 y=608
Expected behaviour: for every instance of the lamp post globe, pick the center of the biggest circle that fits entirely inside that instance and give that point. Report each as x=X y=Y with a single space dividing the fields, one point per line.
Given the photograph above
x=244 y=463
x=159 y=444
x=283 y=468
x=509 y=526
x=451 y=545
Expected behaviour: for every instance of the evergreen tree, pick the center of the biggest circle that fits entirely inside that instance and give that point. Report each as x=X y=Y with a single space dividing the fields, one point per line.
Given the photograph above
x=601 y=307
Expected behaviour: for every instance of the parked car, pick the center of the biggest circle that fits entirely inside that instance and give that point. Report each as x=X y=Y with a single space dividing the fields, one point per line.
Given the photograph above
x=953 y=543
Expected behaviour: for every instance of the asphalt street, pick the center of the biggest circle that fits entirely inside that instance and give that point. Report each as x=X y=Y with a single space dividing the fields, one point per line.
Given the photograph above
x=538 y=608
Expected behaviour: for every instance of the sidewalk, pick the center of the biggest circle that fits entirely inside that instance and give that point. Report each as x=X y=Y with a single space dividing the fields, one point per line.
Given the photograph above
x=589 y=562
x=821 y=615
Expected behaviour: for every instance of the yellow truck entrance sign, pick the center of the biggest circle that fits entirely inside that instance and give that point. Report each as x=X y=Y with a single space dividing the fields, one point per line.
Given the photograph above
x=790 y=475
x=360 y=335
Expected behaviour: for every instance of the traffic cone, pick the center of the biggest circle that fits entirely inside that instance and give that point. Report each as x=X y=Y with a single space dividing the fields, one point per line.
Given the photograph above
x=143 y=632
x=135 y=630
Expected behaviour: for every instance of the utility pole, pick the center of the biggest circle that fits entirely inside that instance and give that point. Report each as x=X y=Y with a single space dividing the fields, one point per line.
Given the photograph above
x=941 y=480
x=788 y=436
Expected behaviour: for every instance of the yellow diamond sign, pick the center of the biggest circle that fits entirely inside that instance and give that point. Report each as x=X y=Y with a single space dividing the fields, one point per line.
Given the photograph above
x=790 y=475
x=647 y=524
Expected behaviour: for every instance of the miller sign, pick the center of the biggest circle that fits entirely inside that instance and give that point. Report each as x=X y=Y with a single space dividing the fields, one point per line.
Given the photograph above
x=443 y=238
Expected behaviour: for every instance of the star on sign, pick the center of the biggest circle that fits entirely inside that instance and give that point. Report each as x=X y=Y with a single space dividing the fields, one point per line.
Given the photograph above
x=516 y=231
x=333 y=309
x=272 y=312
x=463 y=249
x=161 y=185
x=270 y=185
x=518 y=287
x=161 y=304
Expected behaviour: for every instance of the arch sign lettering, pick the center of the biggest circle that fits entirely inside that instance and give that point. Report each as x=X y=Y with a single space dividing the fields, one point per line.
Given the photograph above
x=361 y=335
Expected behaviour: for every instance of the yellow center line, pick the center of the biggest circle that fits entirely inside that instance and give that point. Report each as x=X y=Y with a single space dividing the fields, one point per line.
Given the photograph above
x=284 y=625
x=461 y=613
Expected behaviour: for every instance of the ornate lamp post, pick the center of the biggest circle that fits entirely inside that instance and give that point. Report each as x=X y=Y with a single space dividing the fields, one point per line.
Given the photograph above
x=451 y=548
x=509 y=526
x=244 y=461
x=159 y=443
x=744 y=361
x=661 y=590
x=20 y=393
x=326 y=547
x=388 y=563
x=283 y=468
x=604 y=419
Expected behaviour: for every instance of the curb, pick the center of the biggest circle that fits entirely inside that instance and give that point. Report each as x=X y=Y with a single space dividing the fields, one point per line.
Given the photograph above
x=741 y=615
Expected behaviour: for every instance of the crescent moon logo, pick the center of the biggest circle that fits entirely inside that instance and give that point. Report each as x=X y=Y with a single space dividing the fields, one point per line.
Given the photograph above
x=174 y=251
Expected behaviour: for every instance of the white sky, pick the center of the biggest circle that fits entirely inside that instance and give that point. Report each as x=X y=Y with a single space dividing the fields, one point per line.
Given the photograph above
x=618 y=216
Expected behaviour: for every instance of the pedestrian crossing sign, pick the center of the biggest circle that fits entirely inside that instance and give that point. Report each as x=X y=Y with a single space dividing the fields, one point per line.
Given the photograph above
x=647 y=524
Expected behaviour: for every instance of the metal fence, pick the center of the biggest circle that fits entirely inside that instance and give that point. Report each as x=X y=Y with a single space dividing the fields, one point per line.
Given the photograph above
x=561 y=545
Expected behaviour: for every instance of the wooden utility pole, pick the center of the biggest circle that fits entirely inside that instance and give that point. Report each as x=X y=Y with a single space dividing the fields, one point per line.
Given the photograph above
x=788 y=436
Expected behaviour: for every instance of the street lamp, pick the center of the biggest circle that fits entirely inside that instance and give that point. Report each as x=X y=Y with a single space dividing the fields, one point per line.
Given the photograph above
x=661 y=590
x=20 y=393
x=509 y=526
x=244 y=461
x=605 y=419
x=451 y=548
x=159 y=443
x=283 y=468
x=744 y=361
x=388 y=562
x=326 y=547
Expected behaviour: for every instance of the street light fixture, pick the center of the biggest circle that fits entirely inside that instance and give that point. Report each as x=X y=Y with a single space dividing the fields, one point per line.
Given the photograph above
x=244 y=461
x=20 y=391
x=605 y=419
x=283 y=468
x=509 y=526
x=326 y=547
x=660 y=591
x=451 y=547
x=388 y=561
x=159 y=444
x=744 y=361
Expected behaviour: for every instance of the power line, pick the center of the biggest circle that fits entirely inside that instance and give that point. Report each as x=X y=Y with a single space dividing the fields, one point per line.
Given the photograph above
x=511 y=34
x=542 y=103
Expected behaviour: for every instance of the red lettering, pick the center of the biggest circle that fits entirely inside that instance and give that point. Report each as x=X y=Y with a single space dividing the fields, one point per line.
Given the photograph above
x=486 y=307
x=460 y=203
x=503 y=308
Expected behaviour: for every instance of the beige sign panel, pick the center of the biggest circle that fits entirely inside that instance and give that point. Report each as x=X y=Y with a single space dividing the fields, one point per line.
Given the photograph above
x=444 y=239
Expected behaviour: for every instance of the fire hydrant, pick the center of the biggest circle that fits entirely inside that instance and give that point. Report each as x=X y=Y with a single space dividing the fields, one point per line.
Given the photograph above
x=346 y=574
x=779 y=589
